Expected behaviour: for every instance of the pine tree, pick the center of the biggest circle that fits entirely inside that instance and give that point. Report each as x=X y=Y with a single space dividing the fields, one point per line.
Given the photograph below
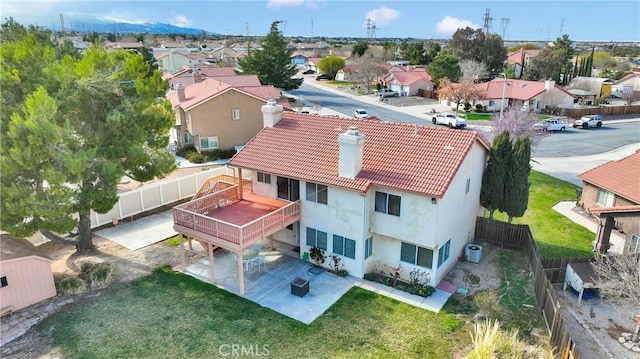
x=517 y=181
x=495 y=174
x=272 y=64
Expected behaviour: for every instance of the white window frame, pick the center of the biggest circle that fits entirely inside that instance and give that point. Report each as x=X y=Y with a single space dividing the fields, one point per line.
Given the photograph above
x=188 y=138
x=605 y=198
x=417 y=250
x=385 y=209
x=314 y=190
x=263 y=177
x=235 y=114
x=443 y=253
x=468 y=185
x=341 y=248
x=368 y=247
x=208 y=141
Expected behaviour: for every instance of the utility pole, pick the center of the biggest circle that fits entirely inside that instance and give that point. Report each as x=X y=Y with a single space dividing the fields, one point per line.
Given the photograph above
x=505 y=25
x=561 y=28
x=311 y=27
x=487 y=22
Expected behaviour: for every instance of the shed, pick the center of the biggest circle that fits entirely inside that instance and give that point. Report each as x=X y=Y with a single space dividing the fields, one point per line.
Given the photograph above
x=26 y=277
x=579 y=276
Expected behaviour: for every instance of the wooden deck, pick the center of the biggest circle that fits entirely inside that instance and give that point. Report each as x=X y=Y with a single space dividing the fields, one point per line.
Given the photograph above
x=224 y=220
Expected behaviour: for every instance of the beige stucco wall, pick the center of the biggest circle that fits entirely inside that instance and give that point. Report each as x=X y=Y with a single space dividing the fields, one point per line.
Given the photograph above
x=214 y=118
x=29 y=280
x=628 y=225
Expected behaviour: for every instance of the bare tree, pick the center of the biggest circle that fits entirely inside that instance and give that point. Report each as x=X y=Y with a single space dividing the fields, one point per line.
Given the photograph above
x=459 y=93
x=630 y=96
x=519 y=124
x=618 y=279
x=472 y=70
x=368 y=70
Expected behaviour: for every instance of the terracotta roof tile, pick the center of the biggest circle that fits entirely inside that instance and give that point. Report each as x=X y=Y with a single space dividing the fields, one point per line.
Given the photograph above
x=418 y=159
x=621 y=177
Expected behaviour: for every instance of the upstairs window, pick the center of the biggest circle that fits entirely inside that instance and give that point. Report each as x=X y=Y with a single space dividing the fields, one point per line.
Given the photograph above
x=235 y=114
x=264 y=177
x=316 y=192
x=388 y=203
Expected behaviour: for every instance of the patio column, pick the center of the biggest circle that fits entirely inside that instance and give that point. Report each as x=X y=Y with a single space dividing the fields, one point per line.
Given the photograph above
x=190 y=245
x=212 y=267
x=240 y=189
x=182 y=259
x=241 y=271
x=604 y=233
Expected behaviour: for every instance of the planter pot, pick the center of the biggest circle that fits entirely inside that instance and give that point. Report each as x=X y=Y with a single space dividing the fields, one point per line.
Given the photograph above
x=300 y=287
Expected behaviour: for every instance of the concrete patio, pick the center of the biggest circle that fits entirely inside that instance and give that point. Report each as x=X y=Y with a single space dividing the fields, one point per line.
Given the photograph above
x=271 y=287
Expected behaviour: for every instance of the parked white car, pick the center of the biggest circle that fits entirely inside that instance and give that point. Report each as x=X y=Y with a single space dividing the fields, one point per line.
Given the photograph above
x=361 y=114
x=551 y=124
x=450 y=119
x=588 y=121
x=388 y=93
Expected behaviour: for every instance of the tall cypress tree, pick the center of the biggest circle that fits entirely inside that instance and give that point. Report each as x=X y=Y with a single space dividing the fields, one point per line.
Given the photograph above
x=495 y=174
x=272 y=64
x=517 y=181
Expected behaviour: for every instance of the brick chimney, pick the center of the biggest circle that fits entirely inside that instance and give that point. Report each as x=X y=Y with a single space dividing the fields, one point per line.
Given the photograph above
x=350 y=156
x=271 y=113
x=180 y=91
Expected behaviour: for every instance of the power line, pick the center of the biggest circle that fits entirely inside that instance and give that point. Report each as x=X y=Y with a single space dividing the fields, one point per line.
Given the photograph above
x=505 y=25
x=487 y=21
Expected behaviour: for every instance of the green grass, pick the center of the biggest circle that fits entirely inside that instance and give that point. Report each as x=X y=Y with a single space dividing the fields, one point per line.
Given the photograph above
x=172 y=315
x=556 y=235
x=516 y=293
x=474 y=116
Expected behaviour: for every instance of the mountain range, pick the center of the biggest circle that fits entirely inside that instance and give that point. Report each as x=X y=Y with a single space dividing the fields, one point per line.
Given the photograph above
x=89 y=24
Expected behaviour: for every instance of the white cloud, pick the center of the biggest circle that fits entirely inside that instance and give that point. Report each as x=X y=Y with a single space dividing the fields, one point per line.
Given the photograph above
x=450 y=24
x=277 y=4
x=181 y=21
x=383 y=16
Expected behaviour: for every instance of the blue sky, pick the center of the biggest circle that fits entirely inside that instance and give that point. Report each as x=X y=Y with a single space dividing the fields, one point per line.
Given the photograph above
x=527 y=20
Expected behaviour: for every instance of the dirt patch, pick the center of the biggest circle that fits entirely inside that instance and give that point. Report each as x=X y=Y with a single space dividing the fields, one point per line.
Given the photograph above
x=478 y=276
x=128 y=265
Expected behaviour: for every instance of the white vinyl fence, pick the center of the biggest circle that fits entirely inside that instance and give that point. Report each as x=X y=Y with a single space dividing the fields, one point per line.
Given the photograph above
x=152 y=196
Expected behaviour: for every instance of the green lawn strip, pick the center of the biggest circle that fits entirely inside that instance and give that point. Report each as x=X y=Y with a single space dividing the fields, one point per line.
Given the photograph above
x=556 y=235
x=516 y=293
x=172 y=315
x=474 y=116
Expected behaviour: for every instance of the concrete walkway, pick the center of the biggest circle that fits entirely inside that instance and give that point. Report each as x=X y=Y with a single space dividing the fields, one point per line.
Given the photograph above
x=581 y=217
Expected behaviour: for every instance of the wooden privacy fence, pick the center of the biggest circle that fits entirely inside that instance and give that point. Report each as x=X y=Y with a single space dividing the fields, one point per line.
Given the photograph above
x=603 y=110
x=518 y=237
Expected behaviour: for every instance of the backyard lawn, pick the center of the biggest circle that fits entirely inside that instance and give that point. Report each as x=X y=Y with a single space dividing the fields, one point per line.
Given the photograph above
x=556 y=236
x=172 y=315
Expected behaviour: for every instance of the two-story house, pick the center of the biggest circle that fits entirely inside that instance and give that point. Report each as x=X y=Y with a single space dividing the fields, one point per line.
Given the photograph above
x=373 y=193
x=222 y=112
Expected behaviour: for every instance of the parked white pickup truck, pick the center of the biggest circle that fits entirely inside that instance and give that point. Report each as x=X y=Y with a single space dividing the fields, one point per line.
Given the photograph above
x=588 y=121
x=450 y=119
x=551 y=124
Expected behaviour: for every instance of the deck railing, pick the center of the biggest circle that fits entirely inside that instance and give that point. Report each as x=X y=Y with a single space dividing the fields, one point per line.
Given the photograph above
x=193 y=215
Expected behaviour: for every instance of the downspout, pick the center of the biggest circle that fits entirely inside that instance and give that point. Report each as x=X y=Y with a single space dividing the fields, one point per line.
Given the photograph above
x=365 y=231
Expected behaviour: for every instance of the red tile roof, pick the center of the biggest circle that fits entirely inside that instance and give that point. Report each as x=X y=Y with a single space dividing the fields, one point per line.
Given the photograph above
x=410 y=77
x=621 y=177
x=418 y=159
x=239 y=80
x=217 y=71
x=197 y=93
x=515 y=89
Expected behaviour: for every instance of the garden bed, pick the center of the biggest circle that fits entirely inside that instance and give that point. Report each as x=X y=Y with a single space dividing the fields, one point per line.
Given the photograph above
x=415 y=288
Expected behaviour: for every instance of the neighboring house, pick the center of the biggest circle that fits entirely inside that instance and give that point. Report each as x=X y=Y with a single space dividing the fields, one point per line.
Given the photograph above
x=631 y=82
x=612 y=191
x=312 y=63
x=123 y=45
x=223 y=55
x=25 y=274
x=520 y=94
x=520 y=60
x=362 y=190
x=299 y=58
x=595 y=86
x=409 y=81
x=213 y=114
x=172 y=61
